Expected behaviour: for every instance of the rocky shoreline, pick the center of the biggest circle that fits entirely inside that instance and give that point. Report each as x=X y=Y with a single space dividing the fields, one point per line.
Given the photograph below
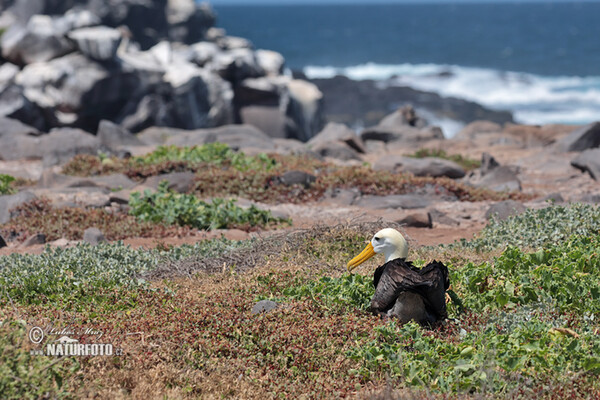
x=80 y=77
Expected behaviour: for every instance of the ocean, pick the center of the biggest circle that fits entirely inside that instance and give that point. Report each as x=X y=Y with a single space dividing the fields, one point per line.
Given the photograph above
x=539 y=60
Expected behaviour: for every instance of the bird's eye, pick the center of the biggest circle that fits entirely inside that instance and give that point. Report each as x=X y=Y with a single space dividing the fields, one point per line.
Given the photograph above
x=376 y=238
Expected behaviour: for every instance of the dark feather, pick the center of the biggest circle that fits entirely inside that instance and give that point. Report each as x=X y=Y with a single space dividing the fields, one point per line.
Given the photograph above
x=398 y=276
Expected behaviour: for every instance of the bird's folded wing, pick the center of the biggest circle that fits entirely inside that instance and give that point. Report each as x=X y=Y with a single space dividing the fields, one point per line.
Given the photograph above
x=397 y=276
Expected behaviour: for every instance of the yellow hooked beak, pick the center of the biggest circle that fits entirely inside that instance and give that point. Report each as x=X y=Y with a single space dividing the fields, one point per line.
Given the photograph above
x=364 y=255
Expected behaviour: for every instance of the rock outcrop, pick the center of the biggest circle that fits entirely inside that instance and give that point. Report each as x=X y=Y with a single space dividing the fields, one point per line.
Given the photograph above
x=141 y=64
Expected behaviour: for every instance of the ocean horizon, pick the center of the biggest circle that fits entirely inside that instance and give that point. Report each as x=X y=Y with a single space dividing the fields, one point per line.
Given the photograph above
x=539 y=60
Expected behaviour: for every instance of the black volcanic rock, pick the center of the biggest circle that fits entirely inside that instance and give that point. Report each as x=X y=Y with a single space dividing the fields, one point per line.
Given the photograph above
x=363 y=103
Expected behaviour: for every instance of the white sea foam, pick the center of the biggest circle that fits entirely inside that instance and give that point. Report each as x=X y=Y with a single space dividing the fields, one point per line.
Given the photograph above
x=533 y=99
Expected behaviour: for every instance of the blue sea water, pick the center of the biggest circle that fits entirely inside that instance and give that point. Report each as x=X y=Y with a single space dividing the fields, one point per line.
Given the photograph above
x=539 y=60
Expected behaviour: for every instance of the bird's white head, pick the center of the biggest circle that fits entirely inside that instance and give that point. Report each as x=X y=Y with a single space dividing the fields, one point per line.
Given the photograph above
x=388 y=242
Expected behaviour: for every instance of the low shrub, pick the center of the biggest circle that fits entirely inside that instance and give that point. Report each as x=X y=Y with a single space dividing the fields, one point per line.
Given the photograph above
x=165 y=206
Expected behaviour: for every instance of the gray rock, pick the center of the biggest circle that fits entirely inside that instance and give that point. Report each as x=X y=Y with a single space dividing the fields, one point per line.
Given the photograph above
x=39 y=41
x=477 y=128
x=13 y=127
x=338 y=150
x=236 y=65
x=198 y=98
x=267 y=119
x=588 y=161
x=236 y=136
x=334 y=132
x=502 y=178
x=188 y=20
x=93 y=236
x=8 y=73
x=488 y=163
x=505 y=209
x=264 y=306
x=202 y=52
x=181 y=182
x=305 y=108
x=417 y=220
x=152 y=110
x=344 y=197
x=158 y=135
x=51 y=179
x=62 y=144
x=14 y=104
x=234 y=43
x=99 y=42
x=402 y=134
x=553 y=197
x=404 y=201
x=21 y=148
x=403 y=116
x=297 y=178
x=428 y=166
x=580 y=139
x=271 y=62
x=114 y=137
x=87 y=196
x=440 y=217
x=9 y=202
x=38 y=238
x=590 y=198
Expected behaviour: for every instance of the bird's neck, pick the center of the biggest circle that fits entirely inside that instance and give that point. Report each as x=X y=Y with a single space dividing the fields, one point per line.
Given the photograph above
x=393 y=256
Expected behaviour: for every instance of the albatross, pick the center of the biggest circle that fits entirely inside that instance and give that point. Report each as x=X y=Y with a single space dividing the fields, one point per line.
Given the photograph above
x=401 y=289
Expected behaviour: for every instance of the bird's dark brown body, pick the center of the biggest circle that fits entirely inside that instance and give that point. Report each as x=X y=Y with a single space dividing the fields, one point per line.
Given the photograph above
x=410 y=293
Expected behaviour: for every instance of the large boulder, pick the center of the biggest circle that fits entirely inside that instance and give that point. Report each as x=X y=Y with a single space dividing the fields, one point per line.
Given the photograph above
x=581 y=139
x=236 y=136
x=334 y=132
x=11 y=127
x=198 y=98
x=188 y=20
x=98 y=43
x=588 y=161
x=7 y=203
x=236 y=65
x=505 y=209
x=270 y=61
x=337 y=150
x=500 y=179
x=404 y=134
x=403 y=201
x=21 y=147
x=477 y=128
x=62 y=144
x=305 y=108
x=40 y=40
x=78 y=91
x=427 y=166
x=14 y=104
x=114 y=137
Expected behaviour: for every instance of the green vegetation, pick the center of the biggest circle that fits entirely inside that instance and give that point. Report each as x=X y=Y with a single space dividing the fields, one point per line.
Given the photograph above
x=530 y=319
x=523 y=324
x=468 y=164
x=86 y=273
x=24 y=376
x=212 y=153
x=165 y=206
x=6 y=184
x=221 y=172
x=536 y=228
